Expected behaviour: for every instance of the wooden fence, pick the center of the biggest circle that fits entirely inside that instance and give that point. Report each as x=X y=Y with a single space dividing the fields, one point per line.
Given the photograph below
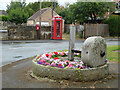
x=96 y=30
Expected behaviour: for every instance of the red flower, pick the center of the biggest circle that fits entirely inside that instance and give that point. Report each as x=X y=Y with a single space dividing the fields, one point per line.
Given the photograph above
x=56 y=58
x=40 y=56
x=47 y=55
x=59 y=65
x=56 y=53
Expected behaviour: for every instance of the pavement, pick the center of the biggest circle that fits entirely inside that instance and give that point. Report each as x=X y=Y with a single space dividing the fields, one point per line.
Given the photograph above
x=17 y=75
x=46 y=41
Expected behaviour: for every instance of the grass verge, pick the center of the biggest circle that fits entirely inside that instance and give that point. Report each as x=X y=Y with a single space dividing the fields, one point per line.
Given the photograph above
x=113 y=56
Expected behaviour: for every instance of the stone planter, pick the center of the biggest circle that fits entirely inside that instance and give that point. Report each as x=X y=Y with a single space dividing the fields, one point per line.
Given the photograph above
x=70 y=74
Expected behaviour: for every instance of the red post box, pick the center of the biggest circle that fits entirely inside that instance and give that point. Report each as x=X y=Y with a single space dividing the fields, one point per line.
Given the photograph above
x=37 y=27
x=56 y=28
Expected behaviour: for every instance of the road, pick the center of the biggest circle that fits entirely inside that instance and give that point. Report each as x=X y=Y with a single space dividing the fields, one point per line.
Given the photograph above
x=17 y=50
x=17 y=75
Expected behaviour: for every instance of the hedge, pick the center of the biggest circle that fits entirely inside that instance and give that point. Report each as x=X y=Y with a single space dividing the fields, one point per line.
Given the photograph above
x=114 y=25
x=3 y=18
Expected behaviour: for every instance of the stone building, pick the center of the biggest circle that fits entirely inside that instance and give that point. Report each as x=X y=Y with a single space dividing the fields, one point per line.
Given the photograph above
x=45 y=17
x=3 y=12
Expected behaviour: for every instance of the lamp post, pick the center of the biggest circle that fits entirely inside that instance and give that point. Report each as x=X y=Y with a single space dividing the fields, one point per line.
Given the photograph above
x=39 y=31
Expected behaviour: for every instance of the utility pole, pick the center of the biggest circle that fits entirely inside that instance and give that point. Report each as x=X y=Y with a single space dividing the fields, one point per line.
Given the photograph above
x=52 y=10
x=40 y=21
x=55 y=6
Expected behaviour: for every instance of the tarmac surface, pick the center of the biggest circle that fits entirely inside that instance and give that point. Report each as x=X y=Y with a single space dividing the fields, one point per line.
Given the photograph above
x=20 y=49
x=17 y=75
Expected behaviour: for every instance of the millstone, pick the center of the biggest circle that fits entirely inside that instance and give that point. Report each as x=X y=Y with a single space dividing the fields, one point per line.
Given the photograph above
x=94 y=51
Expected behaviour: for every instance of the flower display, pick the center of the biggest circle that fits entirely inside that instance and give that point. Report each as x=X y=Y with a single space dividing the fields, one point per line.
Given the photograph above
x=54 y=60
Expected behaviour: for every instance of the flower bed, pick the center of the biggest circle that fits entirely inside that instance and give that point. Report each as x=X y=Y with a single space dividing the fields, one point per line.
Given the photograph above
x=56 y=66
x=54 y=59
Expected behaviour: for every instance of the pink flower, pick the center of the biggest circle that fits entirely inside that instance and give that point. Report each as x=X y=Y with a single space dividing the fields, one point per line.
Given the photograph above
x=70 y=65
x=66 y=52
x=50 y=55
x=81 y=67
x=47 y=63
x=62 y=53
x=67 y=61
x=53 y=64
x=77 y=54
x=43 y=61
x=51 y=60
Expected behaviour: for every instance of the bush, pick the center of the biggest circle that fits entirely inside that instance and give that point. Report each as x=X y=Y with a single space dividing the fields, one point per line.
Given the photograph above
x=80 y=35
x=68 y=31
x=3 y=18
x=114 y=25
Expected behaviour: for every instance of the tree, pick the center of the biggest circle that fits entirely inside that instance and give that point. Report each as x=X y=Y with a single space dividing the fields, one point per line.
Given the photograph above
x=18 y=16
x=83 y=11
x=36 y=5
x=65 y=13
x=17 y=12
x=15 y=5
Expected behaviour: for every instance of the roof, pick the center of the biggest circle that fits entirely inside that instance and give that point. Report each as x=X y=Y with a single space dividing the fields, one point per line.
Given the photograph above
x=3 y=12
x=35 y=15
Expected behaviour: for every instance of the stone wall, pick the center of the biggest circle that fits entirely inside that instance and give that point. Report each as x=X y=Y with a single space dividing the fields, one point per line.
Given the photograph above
x=22 y=32
x=3 y=35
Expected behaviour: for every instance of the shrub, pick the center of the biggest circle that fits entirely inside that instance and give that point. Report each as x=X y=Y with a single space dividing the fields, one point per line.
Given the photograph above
x=114 y=25
x=3 y=18
x=68 y=31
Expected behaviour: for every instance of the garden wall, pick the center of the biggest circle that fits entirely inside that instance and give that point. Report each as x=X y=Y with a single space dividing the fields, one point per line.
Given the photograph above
x=23 y=32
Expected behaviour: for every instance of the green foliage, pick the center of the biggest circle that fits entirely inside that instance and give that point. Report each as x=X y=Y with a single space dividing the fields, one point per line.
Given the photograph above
x=65 y=13
x=68 y=31
x=83 y=11
x=18 y=16
x=114 y=25
x=36 y=5
x=17 y=12
x=80 y=35
x=15 y=5
x=3 y=18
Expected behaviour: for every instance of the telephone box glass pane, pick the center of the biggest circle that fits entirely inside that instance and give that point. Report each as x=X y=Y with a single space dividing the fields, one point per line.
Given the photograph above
x=58 y=29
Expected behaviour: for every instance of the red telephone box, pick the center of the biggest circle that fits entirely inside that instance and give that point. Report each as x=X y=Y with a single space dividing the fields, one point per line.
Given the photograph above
x=56 y=28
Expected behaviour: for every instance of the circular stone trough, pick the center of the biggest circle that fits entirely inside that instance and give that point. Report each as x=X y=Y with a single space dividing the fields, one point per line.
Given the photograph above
x=70 y=74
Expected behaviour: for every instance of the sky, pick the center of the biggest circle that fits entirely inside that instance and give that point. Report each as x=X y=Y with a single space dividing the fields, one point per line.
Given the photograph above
x=3 y=3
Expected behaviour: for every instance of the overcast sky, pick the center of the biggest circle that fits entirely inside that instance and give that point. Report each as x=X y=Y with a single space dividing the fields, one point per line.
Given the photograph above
x=3 y=3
